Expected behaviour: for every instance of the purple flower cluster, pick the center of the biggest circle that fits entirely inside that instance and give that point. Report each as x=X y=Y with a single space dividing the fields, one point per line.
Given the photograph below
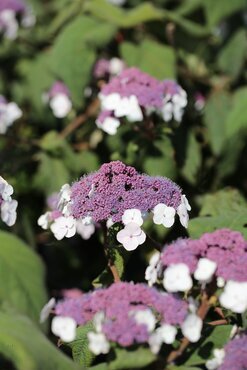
x=18 y=6
x=235 y=354
x=115 y=188
x=58 y=88
x=119 y=302
x=225 y=247
x=133 y=94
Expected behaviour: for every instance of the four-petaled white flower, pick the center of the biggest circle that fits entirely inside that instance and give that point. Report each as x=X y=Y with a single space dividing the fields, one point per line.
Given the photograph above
x=205 y=270
x=64 y=227
x=98 y=343
x=131 y=236
x=177 y=278
x=8 y=212
x=182 y=211
x=145 y=317
x=163 y=215
x=44 y=220
x=64 y=327
x=192 y=327
x=61 y=105
x=46 y=310
x=109 y=125
x=234 y=296
x=85 y=230
x=164 y=334
x=132 y=215
x=217 y=360
x=152 y=271
x=6 y=190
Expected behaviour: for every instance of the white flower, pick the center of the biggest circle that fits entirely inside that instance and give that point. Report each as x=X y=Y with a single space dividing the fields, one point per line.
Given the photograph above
x=164 y=334
x=145 y=317
x=6 y=190
x=64 y=199
x=9 y=24
x=109 y=223
x=98 y=343
x=64 y=327
x=116 y=66
x=44 y=220
x=164 y=215
x=131 y=236
x=129 y=107
x=85 y=230
x=8 y=212
x=152 y=271
x=220 y=282
x=132 y=215
x=205 y=270
x=98 y=320
x=64 y=227
x=177 y=278
x=191 y=327
x=182 y=211
x=167 y=111
x=217 y=360
x=61 y=105
x=117 y=2
x=9 y=112
x=234 y=296
x=46 y=310
x=110 y=102
x=109 y=125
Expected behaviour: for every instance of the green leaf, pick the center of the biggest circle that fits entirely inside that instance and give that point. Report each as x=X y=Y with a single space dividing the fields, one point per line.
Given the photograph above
x=193 y=159
x=131 y=359
x=51 y=174
x=151 y=57
x=217 y=338
x=216 y=112
x=232 y=220
x=222 y=202
x=80 y=351
x=22 y=276
x=237 y=117
x=232 y=56
x=217 y=10
x=28 y=349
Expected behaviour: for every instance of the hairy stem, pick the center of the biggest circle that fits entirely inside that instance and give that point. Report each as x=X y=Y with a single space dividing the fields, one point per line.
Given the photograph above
x=110 y=260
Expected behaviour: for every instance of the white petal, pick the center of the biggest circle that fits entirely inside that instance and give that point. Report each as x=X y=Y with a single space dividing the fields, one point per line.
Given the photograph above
x=177 y=278
x=191 y=327
x=64 y=327
x=61 y=105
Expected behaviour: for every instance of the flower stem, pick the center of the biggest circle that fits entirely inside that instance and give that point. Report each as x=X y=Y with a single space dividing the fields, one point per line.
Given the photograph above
x=110 y=259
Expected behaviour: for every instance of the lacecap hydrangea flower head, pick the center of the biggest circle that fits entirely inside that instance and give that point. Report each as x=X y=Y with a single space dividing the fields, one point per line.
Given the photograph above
x=135 y=95
x=117 y=193
x=10 y=11
x=125 y=314
x=220 y=256
x=7 y=204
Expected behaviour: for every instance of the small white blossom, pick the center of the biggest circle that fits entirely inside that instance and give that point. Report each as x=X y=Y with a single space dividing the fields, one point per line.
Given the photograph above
x=9 y=112
x=234 y=296
x=44 y=220
x=129 y=107
x=220 y=282
x=164 y=215
x=98 y=320
x=109 y=125
x=85 y=230
x=110 y=102
x=8 y=24
x=116 y=66
x=8 y=212
x=182 y=211
x=46 y=310
x=192 y=327
x=61 y=105
x=152 y=271
x=131 y=236
x=177 y=278
x=64 y=199
x=6 y=190
x=109 y=223
x=132 y=215
x=217 y=360
x=145 y=317
x=98 y=343
x=205 y=270
x=164 y=334
x=64 y=327
x=64 y=227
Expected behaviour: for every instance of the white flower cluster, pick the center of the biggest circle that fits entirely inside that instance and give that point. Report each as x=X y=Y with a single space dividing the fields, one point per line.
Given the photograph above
x=9 y=112
x=131 y=236
x=173 y=106
x=64 y=224
x=9 y=25
x=7 y=204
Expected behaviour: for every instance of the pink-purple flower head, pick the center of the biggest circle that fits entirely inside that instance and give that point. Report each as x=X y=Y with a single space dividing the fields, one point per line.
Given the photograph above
x=9 y=10
x=59 y=100
x=220 y=255
x=133 y=94
x=125 y=313
x=7 y=204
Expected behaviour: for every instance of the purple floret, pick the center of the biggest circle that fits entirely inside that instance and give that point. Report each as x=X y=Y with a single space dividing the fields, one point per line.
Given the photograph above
x=58 y=88
x=18 y=6
x=235 y=354
x=117 y=187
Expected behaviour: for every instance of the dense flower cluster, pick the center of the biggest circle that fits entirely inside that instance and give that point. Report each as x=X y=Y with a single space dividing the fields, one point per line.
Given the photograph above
x=7 y=204
x=134 y=94
x=10 y=11
x=232 y=356
x=108 y=67
x=62 y=226
x=221 y=254
x=127 y=313
x=58 y=98
x=9 y=112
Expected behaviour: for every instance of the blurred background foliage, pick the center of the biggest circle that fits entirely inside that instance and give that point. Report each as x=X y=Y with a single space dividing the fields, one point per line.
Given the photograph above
x=199 y=43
